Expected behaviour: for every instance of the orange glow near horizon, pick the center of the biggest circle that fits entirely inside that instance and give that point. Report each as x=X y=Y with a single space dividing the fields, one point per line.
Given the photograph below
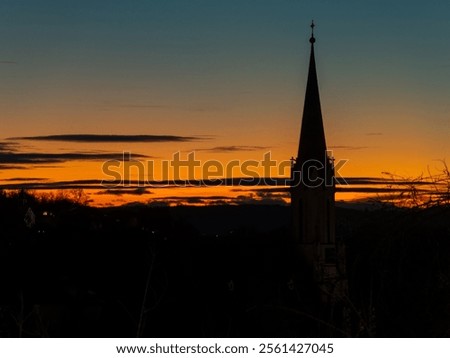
x=367 y=157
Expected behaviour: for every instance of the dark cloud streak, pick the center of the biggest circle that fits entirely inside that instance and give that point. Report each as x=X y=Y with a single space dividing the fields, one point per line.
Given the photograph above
x=25 y=179
x=50 y=158
x=232 y=148
x=112 y=138
x=8 y=146
x=347 y=147
x=124 y=191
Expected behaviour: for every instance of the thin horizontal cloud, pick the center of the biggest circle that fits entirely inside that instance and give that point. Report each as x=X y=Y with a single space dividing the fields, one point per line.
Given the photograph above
x=12 y=167
x=125 y=191
x=347 y=147
x=50 y=158
x=373 y=133
x=264 y=190
x=8 y=146
x=94 y=184
x=350 y=189
x=233 y=148
x=25 y=179
x=379 y=181
x=6 y=62
x=112 y=138
x=68 y=184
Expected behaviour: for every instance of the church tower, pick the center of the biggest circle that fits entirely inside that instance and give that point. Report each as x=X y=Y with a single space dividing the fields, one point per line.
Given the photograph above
x=312 y=197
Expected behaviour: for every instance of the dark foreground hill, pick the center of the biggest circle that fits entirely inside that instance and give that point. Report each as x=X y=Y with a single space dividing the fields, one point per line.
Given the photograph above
x=74 y=271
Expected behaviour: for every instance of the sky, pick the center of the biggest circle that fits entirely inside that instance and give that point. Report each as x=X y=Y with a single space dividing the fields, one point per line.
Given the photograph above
x=225 y=79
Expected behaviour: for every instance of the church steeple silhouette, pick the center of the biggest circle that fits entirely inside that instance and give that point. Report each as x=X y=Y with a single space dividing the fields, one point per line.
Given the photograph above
x=312 y=196
x=312 y=137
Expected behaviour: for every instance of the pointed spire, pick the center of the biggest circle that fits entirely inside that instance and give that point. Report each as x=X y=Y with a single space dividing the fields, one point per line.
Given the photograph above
x=312 y=136
x=312 y=39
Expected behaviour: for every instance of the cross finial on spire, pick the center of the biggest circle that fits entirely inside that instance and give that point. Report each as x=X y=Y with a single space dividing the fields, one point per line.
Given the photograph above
x=312 y=39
